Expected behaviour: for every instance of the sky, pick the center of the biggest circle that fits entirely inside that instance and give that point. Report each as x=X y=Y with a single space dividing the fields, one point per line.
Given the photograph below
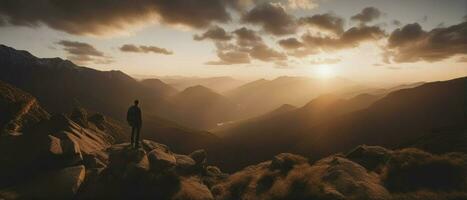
x=365 y=40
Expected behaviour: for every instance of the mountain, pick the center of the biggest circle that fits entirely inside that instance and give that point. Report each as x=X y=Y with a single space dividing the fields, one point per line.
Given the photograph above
x=203 y=108
x=329 y=124
x=58 y=84
x=261 y=96
x=400 y=116
x=281 y=132
x=61 y=85
x=218 y=84
x=159 y=87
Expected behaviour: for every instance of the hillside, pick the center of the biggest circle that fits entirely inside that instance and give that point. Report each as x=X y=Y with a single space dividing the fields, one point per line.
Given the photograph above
x=202 y=108
x=329 y=124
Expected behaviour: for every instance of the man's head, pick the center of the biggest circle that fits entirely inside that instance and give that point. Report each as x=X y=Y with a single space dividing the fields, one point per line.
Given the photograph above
x=136 y=102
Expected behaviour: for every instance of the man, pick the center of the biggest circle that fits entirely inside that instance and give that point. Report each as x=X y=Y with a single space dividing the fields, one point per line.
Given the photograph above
x=134 y=119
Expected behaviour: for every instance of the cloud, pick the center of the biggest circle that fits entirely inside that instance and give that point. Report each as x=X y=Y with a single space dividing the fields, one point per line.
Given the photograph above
x=302 y=4
x=349 y=39
x=265 y=53
x=84 y=53
x=396 y=22
x=144 y=49
x=214 y=33
x=230 y=58
x=88 y=17
x=247 y=37
x=328 y=21
x=272 y=17
x=411 y=43
x=290 y=43
x=368 y=14
x=230 y=54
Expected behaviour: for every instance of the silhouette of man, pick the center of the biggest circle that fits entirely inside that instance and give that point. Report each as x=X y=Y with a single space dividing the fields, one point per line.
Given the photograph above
x=133 y=117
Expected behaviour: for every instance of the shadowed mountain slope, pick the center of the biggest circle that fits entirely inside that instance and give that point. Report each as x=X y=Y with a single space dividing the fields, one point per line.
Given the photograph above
x=202 y=108
x=329 y=124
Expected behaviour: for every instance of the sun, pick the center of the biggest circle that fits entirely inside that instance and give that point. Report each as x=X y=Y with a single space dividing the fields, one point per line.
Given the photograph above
x=324 y=71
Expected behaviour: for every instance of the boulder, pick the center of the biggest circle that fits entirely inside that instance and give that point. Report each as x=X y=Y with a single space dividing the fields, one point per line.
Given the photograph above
x=185 y=164
x=373 y=158
x=193 y=189
x=149 y=145
x=125 y=161
x=285 y=161
x=161 y=160
x=80 y=116
x=199 y=156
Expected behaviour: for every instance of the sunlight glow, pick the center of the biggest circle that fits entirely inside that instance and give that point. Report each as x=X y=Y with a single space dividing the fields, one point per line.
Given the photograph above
x=324 y=71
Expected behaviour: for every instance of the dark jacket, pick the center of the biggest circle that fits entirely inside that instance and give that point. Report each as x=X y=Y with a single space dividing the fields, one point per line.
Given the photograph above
x=133 y=116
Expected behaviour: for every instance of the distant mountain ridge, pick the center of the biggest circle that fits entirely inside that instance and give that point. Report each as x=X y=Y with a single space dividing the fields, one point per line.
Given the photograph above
x=219 y=84
x=261 y=96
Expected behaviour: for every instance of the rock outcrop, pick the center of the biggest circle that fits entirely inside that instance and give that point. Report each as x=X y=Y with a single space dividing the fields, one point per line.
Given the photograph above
x=152 y=171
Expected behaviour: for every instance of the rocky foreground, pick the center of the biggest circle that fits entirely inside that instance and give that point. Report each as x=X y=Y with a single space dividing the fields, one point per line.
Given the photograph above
x=82 y=156
x=155 y=172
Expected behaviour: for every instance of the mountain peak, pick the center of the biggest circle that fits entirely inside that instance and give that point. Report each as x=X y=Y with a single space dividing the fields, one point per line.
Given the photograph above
x=198 y=88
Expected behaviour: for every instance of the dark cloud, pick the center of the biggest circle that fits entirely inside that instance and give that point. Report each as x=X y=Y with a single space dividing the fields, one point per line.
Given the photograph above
x=84 y=53
x=273 y=18
x=406 y=34
x=290 y=43
x=247 y=37
x=144 y=49
x=230 y=58
x=108 y=16
x=214 y=33
x=411 y=43
x=265 y=53
x=368 y=14
x=349 y=39
x=229 y=54
x=396 y=22
x=328 y=21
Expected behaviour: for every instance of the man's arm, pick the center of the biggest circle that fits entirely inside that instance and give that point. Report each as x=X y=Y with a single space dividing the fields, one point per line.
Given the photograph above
x=140 y=118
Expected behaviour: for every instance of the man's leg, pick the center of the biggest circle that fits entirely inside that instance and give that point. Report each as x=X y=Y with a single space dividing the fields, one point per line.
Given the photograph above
x=133 y=130
x=137 y=136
